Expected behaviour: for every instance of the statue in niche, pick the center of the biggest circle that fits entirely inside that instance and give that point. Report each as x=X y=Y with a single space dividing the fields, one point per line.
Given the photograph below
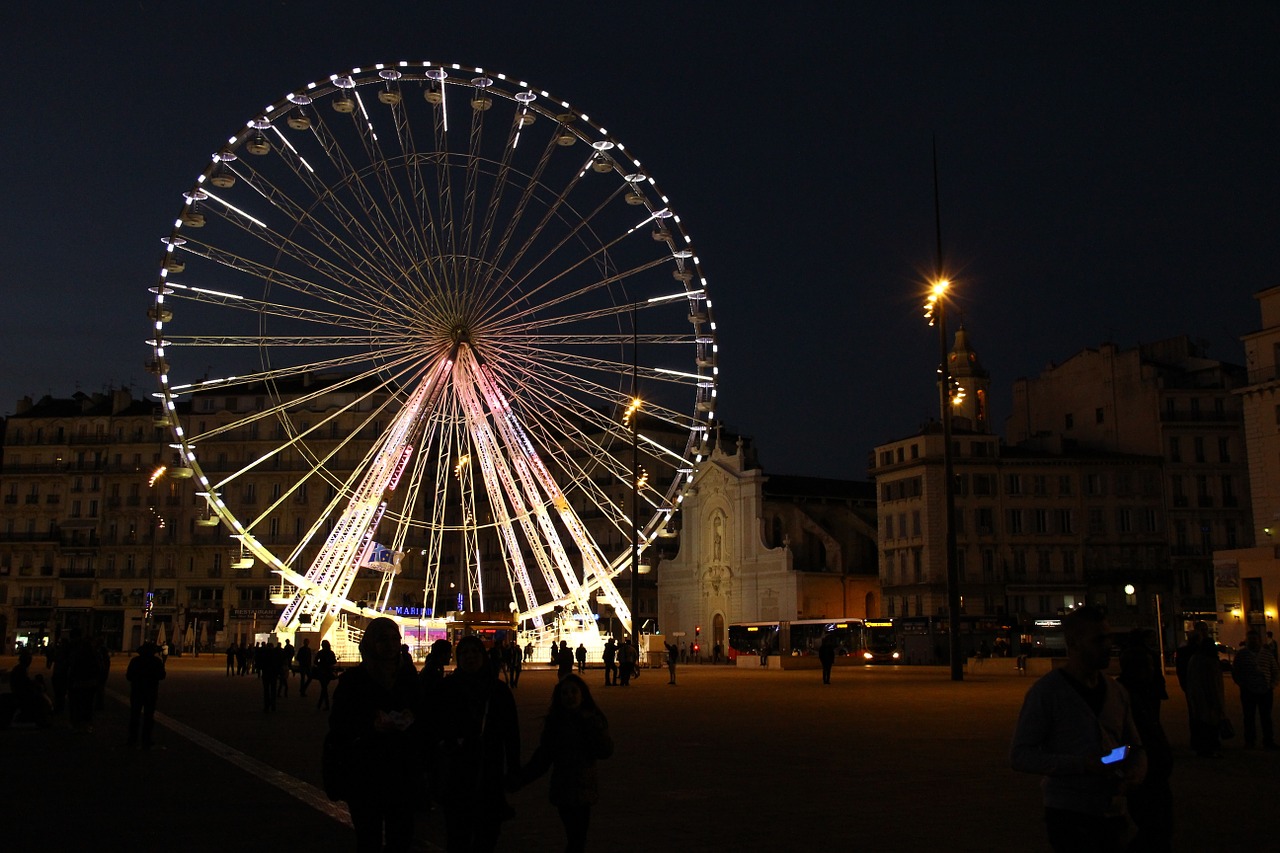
x=716 y=537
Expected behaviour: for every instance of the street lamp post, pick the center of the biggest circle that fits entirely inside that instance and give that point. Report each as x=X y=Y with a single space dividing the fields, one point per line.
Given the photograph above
x=937 y=314
x=634 y=415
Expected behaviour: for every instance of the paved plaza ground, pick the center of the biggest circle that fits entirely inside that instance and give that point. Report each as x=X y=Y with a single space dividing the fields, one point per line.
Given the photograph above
x=730 y=759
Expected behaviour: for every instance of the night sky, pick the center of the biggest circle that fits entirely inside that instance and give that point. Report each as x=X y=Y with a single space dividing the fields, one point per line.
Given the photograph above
x=1106 y=174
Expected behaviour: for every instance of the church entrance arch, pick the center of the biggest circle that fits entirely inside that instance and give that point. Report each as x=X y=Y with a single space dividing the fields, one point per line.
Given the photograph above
x=717 y=631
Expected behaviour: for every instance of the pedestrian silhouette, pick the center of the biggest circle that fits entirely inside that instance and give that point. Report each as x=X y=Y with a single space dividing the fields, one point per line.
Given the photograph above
x=574 y=736
x=610 y=663
x=1151 y=801
x=303 y=660
x=325 y=669
x=827 y=657
x=1071 y=720
x=673 y=655
x=1256 y=672
x=478 y=747
x=144 y=674
x=373 y=715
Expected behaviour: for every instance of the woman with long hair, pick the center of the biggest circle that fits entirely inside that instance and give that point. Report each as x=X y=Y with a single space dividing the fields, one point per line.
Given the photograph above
x=574 y=736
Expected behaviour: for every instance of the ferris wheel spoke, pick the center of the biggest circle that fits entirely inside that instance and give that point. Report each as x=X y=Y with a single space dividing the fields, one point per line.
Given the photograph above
x=551 y=255
x=352 y=246
x=488 y=286
x=561 y=381
x=273 y=308
x=605 y=366
x=592 y=287
x=343 y=285
x=374 y=231
x=567 y=441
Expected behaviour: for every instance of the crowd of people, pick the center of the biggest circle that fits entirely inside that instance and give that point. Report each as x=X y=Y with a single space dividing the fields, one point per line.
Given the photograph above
x=1099 y=742
x=464 y=727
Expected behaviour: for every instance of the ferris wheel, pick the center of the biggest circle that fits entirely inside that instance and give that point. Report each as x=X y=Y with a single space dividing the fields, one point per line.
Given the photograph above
x=458 y=327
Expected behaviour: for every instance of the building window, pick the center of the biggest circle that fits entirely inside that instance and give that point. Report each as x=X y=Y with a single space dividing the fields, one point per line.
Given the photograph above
x=1224 y=450
x=1040 y=485
x=988 y=564
x=1040 y=518
x=1069 y=420
x=1124 y=520
x=1066 y=487
x=917 y=566
x=1099 y=416
x=1044 y=563
x=1232 y=539
x=1069 y=562
x=915 y=451
x=960 y=565
x=1198 y=445
x=1066 y=521
x=986 y=520
x=888 y=527
x=915 y=522
x=1019 y=563
x=1150 y=521
x=1013 y=484
x=1015 y=521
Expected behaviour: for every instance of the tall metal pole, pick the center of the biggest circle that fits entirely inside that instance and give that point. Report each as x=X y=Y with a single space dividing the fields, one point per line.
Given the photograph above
x=948 y=476
x=635 y=481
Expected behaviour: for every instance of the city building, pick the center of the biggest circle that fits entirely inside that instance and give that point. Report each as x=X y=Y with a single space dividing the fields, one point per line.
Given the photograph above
x=1120 y=470
x=1247 y=579
x=1169 y=400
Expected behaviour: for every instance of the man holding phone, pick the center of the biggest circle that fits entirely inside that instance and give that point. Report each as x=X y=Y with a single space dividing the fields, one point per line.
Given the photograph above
x=1076 y=729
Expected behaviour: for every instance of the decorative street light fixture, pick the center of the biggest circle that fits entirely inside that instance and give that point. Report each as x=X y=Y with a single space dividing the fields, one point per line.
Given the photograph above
x=157 y=524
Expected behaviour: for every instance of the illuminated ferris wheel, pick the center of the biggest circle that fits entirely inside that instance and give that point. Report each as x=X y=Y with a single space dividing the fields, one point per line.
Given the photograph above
x=442 y=288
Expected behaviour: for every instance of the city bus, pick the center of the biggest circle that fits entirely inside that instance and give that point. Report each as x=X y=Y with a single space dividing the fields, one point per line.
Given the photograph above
x=881 y=645
x=796 y=638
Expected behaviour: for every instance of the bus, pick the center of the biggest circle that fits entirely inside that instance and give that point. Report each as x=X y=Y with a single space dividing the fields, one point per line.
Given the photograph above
x=881 y=645
x=796 y=638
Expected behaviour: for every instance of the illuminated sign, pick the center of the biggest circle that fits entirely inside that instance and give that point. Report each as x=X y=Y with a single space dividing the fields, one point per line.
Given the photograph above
x=1048 y=623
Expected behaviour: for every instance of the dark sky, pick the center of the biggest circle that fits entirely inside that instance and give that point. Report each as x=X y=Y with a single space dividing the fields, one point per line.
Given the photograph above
x=1107 y=174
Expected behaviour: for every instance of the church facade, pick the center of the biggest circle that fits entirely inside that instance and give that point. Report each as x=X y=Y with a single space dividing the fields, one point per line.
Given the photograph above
x=755 y=547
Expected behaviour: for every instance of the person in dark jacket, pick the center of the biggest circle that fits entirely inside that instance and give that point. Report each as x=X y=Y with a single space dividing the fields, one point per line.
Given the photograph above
x=325 y=669
x=1151 y=801
x=827 y=657
x=574 y=736
x=372 y=726
x=144 y=674
x=478 y=748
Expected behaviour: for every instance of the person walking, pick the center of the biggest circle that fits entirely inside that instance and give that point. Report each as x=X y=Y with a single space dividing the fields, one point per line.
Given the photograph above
x=1071 y=719
x=231 y=658
x=610 y=663
x=564 y=660
x=478 y=748
x=580 y=655
x=325 y=668
x=373 y=715
x=270 y=662
x=626 y=662
x=575 y=735
x=144 y=674
x=1256 y=672
x=303 y=660
x=673 y=655
x=287 y=652
x=827 y=657
x=515 y=664
x=1205 y=702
